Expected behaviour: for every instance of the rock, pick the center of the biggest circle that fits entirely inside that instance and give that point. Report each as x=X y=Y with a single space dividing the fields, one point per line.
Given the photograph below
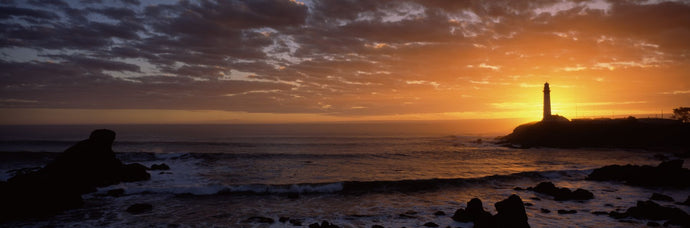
x=296 y=222
x=518 y=189
x=283 y=219
x=653 y=224
x=259 y=219
x=567 y=211
x=134 y=172
x=653 y=211
x=672 y=164
x=377 y=226
x=58 y=186
x=324 y=224
x=510 y=213
x=527 y=204
x=661 y=197
x=430 y=224
x=687 y=201
x=473 y=213
x=116 y=192
x=670 y=173
x=600 y=213
x=161 y=166
x=439 y=213
x=561 y=194
x=545 y=211
x=293 y=195
x=139 y=208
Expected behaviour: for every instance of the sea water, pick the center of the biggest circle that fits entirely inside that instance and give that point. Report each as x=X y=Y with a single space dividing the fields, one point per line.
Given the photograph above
x=219 y=178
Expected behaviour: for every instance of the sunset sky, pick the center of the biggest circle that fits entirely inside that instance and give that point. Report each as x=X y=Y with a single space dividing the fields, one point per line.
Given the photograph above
x=273 y=61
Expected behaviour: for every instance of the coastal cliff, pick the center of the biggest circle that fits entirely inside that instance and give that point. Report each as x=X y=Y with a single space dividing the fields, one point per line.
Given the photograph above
x=613 y=133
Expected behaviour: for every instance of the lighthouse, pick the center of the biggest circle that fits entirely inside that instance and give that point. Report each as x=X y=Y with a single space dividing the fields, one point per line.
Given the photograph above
x=547 y=102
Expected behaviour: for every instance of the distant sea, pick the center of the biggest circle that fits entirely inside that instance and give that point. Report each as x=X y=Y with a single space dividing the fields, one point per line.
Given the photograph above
x=351 y=175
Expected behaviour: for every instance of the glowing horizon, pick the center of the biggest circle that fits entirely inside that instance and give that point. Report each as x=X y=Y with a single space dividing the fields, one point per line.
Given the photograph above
x=283 y=61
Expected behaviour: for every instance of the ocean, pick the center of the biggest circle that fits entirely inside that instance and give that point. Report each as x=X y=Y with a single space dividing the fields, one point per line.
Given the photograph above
x=222 y=175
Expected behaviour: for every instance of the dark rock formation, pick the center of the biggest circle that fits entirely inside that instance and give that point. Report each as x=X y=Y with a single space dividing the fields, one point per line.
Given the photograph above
x=139 y=208
x=653 y=211
x=545 y=211
x=661 y=197
x=670 y=173
x=510 y=213
x=473 y=213
x=618 y=133
x=561 y=194
x=377 y=226
x=161 y=166
x=59 y=185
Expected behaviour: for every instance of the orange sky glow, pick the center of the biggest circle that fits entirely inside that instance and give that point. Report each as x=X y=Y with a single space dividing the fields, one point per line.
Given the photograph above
x=322 y=61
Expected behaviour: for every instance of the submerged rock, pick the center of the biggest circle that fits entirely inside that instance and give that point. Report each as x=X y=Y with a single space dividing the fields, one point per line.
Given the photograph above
x=58 y=186
x=561 y=194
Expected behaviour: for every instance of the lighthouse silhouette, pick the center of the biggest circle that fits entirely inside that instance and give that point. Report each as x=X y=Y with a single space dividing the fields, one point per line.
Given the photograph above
x=547 y=102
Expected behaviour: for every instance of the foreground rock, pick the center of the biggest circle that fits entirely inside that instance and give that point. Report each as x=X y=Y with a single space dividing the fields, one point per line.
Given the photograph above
x=670 y=174
x=653 y=211
x=59 y=185
x=510 y=213
x=561 y=194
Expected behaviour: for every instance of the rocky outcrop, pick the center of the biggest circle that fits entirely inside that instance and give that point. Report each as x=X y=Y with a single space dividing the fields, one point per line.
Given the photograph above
x=669 y=174
x=58 y=186
x=617 y=133
x=653 y=211
x=561 y=194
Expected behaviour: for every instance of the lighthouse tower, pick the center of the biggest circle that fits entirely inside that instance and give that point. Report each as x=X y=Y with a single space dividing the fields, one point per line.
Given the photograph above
x=547 y=102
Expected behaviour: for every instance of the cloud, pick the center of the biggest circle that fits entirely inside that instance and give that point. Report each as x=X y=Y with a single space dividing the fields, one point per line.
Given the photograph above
x=330 y=56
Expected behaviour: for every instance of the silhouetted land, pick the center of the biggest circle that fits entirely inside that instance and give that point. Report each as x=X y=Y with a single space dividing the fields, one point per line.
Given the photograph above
x=611 y=133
